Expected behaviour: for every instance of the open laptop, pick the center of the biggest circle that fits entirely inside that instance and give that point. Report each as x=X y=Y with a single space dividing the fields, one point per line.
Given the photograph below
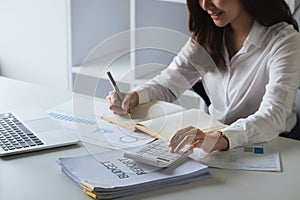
x=31 y=130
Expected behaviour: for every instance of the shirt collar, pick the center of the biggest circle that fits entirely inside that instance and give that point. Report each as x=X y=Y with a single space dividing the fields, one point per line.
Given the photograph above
x=256 y=35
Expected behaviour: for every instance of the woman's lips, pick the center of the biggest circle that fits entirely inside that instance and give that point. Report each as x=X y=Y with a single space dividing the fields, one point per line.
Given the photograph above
x=215 y=16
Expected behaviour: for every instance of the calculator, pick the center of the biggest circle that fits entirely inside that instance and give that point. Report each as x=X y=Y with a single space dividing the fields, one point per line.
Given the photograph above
x=157 y=154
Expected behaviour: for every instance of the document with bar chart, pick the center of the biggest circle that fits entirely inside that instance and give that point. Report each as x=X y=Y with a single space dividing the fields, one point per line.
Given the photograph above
x=260 y=157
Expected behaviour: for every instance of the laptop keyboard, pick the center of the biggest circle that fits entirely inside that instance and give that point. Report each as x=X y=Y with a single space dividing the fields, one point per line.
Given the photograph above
x=14 y=134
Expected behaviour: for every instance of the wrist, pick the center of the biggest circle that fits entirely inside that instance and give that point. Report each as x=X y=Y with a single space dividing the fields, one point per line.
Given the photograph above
x=217 y=142
x=223 y=142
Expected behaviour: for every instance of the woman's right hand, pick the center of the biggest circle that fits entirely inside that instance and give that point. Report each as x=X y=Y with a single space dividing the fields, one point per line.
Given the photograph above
x=131 y=100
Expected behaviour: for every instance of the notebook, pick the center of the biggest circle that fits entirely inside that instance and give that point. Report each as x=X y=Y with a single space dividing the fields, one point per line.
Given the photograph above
x=142 y=112
x=161 y=119
x=31 y=130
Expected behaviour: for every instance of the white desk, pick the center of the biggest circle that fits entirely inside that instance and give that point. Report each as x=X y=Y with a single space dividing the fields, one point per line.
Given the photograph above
x=36 y=175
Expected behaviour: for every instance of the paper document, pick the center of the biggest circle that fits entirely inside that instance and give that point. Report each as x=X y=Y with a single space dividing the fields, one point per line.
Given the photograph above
x=261 y=157
x=93 y=130
x=109 y=175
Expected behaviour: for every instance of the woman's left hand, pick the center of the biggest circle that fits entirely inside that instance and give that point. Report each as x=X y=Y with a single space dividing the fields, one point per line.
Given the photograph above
x=194 y=137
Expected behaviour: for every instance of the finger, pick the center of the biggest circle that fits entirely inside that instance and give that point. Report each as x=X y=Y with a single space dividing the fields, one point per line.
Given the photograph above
x=199 y=139
x=114 y=98
x=176 y=140
x=126 y=102
x=196 y=143
x=185 y=141
x=189 y=134
x=108 y=99
x=200 y=135
x=179 y=133
x=118 y=110
x=112 y=103
x=134 y=100
x=111 y=94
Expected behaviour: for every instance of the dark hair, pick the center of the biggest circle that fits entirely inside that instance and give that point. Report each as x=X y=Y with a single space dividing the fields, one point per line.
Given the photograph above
x=209 y=36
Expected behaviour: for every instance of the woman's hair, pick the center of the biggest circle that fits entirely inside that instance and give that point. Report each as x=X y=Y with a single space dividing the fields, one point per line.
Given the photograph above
x=210 y=37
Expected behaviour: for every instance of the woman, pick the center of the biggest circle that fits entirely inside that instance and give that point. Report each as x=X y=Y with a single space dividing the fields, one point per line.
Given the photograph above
x=255 y=46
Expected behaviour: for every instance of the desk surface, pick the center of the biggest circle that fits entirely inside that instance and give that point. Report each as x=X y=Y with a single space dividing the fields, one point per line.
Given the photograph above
x=37 y=176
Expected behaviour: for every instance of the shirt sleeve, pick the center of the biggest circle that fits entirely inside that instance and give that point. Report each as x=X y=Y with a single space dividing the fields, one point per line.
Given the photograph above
x=182 y=73
x=276 y=107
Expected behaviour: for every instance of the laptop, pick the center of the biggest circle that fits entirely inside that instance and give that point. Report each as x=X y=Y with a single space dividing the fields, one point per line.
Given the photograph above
x=30 y=130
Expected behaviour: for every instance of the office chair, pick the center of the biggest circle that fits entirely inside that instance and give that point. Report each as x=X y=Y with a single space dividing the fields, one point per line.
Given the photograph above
x=295 y=132
x=199 y=89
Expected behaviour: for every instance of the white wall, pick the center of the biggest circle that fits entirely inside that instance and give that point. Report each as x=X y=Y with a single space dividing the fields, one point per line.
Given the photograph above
x=33 y=41
x=292 y=4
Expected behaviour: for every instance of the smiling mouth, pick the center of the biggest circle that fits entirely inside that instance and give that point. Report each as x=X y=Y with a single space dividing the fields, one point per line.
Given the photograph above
x=215 y=16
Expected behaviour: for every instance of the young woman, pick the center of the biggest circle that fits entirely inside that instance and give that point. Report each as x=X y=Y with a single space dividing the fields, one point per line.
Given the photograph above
x=255 y=46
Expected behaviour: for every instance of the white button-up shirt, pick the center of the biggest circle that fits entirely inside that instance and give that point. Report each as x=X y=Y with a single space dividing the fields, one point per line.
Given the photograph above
x=255 y=96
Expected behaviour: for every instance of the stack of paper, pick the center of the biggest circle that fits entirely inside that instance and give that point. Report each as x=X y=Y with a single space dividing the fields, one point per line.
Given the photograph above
x=109 y=175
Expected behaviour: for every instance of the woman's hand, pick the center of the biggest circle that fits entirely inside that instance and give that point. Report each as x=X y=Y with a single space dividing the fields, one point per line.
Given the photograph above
x=194 y=137
x=131 y=100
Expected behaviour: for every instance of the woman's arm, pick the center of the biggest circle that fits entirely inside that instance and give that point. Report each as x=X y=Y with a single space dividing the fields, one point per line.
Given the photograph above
x=183 y=72
x=275 y=114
